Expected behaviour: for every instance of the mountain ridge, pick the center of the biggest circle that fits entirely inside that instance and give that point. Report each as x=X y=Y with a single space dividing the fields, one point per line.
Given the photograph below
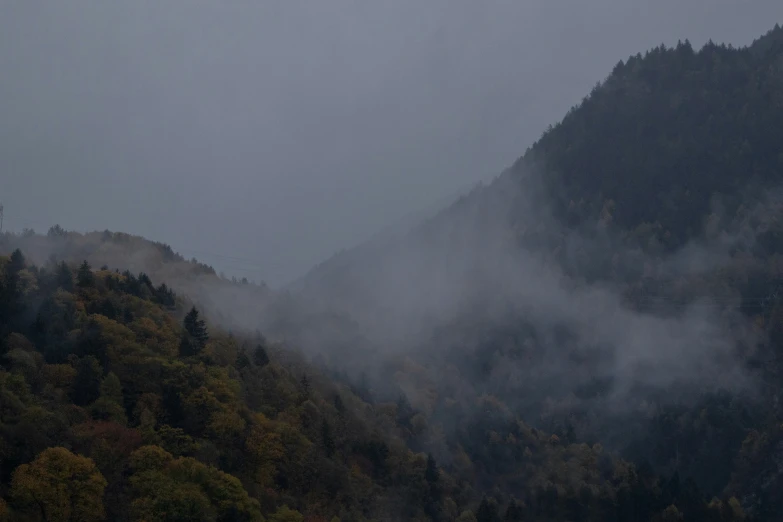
x=564 y=344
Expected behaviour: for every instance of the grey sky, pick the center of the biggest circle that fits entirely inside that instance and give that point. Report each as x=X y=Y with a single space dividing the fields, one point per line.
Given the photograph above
x=279 y=132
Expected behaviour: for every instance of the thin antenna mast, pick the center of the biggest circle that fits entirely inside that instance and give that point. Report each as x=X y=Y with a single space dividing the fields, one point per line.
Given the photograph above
x=1 y=218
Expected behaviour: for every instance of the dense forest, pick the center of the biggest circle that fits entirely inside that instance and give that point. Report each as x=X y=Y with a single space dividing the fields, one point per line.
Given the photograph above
x=597 y=335
x=119 y=402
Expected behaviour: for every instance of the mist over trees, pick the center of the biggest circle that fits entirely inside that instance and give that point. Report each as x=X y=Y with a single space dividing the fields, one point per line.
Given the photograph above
x=593 y=336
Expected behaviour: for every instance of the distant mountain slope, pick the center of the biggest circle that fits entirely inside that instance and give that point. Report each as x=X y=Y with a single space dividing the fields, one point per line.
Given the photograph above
x=653 y=144
x=672 y=144
x=620 y=275
x=665 y=133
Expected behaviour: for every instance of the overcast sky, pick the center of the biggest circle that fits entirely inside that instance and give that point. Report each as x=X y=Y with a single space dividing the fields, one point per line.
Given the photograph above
x=278 y=132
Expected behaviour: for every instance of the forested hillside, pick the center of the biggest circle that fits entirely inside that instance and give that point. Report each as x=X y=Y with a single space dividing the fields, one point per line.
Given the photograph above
x=619 y=283
x=199 y=281
x=596 y=335
x=119 y=402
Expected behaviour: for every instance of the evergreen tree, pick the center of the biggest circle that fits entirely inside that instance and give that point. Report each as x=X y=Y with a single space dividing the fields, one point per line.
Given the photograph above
x=305 y=385
x=432 y=476
x=56 y=231
x=16 y=263
x=243 y=361
x=10 y=300
x=165 y=296
x=260 y=358
x=64 y=277
x=196 y=335
x=339 y=405
x=85 y=276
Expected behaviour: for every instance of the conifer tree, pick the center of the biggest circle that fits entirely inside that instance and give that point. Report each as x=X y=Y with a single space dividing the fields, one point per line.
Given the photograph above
x=85 y=276
x=64 y=277
x=260 y=358
x=196 y=335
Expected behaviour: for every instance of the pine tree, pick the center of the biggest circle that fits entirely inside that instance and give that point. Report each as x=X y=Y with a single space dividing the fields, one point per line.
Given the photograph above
x=196 y=335
x=64 y=277
x=16 y=263
x=260 y=358
x=339 y=405
x=11 y=284
x=85 y=276
x=305 y=384
x=432 y=477
x=165 y=296
x=243 y=361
